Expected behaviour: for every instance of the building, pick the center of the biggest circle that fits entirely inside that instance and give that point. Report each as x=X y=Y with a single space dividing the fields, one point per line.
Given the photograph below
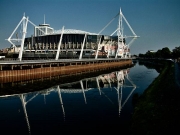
x=44 y=43
x=70 y=43
x=43 y=29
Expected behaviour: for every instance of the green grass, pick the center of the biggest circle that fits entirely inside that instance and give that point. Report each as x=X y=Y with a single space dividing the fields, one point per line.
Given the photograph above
x=157 y=110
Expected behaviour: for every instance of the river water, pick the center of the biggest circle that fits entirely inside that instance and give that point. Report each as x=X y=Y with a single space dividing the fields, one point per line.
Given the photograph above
x=91 y=105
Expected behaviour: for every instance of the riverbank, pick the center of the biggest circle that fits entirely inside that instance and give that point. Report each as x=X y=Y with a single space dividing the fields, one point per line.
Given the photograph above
x=157 y=110
x=13 y=71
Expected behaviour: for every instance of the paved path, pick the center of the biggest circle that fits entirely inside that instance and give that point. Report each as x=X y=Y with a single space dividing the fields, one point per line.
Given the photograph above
x=4 y=62
x=177 y=74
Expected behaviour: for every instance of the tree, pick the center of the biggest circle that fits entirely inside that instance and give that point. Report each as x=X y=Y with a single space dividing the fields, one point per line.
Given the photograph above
x=150 y=54
x=141 y=55
x=176 y=52
x=158 y=54
x=166 y=53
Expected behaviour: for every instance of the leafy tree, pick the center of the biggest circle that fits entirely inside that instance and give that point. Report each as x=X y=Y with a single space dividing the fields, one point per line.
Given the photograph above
x=141 y=55
x=176 y=52
x=158 y=54
x=166 y=53
x=150 y=54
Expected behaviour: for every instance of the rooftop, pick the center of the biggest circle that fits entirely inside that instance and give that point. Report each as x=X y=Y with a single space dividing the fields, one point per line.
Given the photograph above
x=73 y=31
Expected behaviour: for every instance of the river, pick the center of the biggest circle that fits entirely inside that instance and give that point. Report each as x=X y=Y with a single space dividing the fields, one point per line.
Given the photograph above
x=91 y=105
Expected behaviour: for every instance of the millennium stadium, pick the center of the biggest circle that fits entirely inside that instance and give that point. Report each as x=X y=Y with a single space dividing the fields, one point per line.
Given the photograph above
x=69 y=43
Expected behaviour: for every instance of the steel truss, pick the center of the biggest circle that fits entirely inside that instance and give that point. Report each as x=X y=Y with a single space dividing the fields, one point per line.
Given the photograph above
x=122 y=48
x=24 y=21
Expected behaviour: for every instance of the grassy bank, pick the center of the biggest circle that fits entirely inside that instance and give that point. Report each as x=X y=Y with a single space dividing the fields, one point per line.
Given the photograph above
x=157 y=110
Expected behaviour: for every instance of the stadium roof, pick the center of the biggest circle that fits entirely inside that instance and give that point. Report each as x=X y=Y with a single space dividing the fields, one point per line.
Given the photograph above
x=73 y=31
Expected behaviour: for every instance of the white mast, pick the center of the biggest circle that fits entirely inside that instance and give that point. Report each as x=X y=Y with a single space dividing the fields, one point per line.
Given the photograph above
x=97 y=51
x=82 y=47
x=59 y=45
x=44 y=18
x=119 y=34
x=25 y=22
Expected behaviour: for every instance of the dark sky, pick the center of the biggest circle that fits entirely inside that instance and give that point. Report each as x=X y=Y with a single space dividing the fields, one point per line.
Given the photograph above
x=157 y=22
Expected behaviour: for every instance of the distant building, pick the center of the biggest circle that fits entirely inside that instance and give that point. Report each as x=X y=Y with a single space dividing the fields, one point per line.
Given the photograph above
x=5 y=50
x=14 y=49
x=152 y=51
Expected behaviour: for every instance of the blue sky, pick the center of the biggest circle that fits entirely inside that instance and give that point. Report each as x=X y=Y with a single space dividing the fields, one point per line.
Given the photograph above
x=157 y=22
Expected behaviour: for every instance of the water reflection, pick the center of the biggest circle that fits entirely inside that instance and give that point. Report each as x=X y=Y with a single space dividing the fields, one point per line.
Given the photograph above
x=117 y=81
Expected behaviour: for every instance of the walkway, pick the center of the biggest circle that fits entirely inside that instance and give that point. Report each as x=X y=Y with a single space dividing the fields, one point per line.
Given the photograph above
x=177 y=74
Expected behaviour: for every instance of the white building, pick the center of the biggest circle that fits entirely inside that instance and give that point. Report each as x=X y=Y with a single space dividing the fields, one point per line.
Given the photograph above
x=43 y=29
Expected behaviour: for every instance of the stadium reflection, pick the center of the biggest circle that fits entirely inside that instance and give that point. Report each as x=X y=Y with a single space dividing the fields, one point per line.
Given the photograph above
x=114 y=81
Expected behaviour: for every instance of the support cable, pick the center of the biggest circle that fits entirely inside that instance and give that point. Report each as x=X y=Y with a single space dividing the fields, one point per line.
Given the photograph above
x=108 y=24
x=129 y=26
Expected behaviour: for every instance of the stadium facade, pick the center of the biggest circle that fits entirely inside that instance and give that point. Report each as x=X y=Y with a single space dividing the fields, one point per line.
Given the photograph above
x=44 y=43
x=71 y=43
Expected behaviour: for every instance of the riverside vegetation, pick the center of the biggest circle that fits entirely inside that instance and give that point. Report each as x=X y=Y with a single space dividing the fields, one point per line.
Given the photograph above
x=157 y=110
